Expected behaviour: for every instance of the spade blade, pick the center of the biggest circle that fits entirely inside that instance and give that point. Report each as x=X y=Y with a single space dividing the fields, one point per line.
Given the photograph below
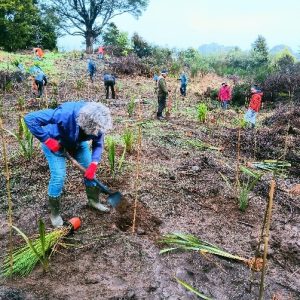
x=114 y=199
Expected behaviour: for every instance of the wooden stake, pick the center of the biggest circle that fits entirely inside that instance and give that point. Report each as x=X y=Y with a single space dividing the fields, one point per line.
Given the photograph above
x=138 y=166
x=266 y=239
x=10 y=221
x=237 y=177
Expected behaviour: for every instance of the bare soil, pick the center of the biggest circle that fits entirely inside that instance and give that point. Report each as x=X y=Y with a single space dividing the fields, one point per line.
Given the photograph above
x=181 y=189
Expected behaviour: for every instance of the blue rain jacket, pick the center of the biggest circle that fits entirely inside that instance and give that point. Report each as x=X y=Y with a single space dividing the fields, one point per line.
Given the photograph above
x=91 y=67
x=109 y=77
x=60 y=124
x=183 y=79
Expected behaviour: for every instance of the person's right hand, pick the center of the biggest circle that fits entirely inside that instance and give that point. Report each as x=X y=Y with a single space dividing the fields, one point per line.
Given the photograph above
x=52 y=144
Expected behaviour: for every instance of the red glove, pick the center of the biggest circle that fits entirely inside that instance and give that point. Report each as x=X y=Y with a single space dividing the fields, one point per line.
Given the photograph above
x=90 y=171
x=52 y=144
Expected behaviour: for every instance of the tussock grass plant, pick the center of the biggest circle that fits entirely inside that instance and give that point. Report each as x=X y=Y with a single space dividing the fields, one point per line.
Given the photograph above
x=192 y=289
x=26 y=257
x=246 y=187
x=128 y=138
x=80 y=84
x=202 y=111
x=24 y=138
x=131 y=107
x=111 y=146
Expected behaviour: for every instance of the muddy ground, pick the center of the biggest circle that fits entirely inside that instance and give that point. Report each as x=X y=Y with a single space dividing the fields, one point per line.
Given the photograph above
x=181 y=189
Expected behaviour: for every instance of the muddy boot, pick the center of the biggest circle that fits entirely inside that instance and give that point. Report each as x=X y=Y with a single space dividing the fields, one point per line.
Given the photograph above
x=56 y=219
x=92 y=193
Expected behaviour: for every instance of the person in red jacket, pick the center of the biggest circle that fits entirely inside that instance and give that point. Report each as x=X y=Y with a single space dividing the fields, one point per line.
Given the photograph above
x=101 y=52
x=254 y=106
x=224 y=95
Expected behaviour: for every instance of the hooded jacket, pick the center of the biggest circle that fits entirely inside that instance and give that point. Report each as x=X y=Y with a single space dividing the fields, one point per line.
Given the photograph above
x=224 y=93
x=162 y=87
x=60 y=124
x=255 y=101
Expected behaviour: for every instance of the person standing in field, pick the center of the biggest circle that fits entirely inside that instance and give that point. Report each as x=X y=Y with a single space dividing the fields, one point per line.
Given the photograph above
x=109 y=83
x=40 y=80
x=38 y=53
x=101 y=52
x=254 y=106
x=91 y=69
x=69 y=127
x=162 y=93
x=224 y=95
x=183 y=84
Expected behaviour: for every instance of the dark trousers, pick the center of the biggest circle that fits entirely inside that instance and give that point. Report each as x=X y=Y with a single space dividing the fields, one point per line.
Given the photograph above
x=40 y=85
x=183 y=90
x=110 y=84
x=92 y=76
x=161 y=105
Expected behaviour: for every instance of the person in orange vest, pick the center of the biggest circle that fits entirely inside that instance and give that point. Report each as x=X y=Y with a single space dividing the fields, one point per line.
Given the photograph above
x=39 y=53
x=254 y=106
x=101 y=52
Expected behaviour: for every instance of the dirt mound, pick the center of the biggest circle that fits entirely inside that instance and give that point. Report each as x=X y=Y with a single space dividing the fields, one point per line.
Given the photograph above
x=146 y=223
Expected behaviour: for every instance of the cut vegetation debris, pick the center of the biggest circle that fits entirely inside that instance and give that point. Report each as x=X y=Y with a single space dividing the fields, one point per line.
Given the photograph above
x=26 y=257
x=203 y=146
x=192 y=289
x=189 y=242
x=270 y=165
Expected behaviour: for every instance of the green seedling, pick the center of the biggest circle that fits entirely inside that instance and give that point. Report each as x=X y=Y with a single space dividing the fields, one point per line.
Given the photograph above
x=131 y=107
x=128 y=138
x=202 y=111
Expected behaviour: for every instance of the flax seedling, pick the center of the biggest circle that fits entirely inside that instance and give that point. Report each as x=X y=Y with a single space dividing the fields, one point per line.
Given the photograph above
x=131 y=107
x=246 y=187
x=128 y=138
x=202 y=111
x=111 y=145
x=27 y=256
x=24 y=138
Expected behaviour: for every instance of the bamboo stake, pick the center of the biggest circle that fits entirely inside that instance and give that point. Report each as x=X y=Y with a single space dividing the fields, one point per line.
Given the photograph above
x=10 y=221
x=138 y=166
x=237 y=178
x=266 y=239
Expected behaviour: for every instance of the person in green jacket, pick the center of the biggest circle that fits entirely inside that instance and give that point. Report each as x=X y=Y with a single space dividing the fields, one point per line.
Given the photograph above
x=162 y=93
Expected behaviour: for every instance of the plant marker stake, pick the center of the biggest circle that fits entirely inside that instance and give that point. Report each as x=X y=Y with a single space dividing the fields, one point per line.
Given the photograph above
x=238 y=162
x=266 y=239
x=10 y=222
x=138 y=165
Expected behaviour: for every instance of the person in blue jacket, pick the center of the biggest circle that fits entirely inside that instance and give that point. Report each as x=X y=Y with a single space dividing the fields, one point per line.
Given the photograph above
x=69 y=127
x=40 y=80
x=183 y=83
x=91 y=69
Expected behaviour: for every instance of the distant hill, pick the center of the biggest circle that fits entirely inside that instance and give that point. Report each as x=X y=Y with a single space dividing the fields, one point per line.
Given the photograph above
x=213 y=48
x=278 y=48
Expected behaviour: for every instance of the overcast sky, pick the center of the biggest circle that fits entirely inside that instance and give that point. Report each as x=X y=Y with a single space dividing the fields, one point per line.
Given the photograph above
x=191 y=23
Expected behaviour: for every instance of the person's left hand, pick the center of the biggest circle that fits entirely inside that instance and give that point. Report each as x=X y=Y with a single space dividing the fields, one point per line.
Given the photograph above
x=91 y=171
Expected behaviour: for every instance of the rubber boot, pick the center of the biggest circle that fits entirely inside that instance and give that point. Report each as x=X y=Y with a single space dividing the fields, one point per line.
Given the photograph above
x=55 y=217
x=93 y=193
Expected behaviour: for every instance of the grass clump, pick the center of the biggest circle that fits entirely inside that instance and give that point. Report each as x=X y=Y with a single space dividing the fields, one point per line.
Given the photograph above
x=247 y=186
x=202 y=111
x=131 y=107
x=128 y=138
x=24 y=138
x=26 y=257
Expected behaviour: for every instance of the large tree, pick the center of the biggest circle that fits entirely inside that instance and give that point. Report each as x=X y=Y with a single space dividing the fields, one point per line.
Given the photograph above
x=24 y=24
x=88 y=18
